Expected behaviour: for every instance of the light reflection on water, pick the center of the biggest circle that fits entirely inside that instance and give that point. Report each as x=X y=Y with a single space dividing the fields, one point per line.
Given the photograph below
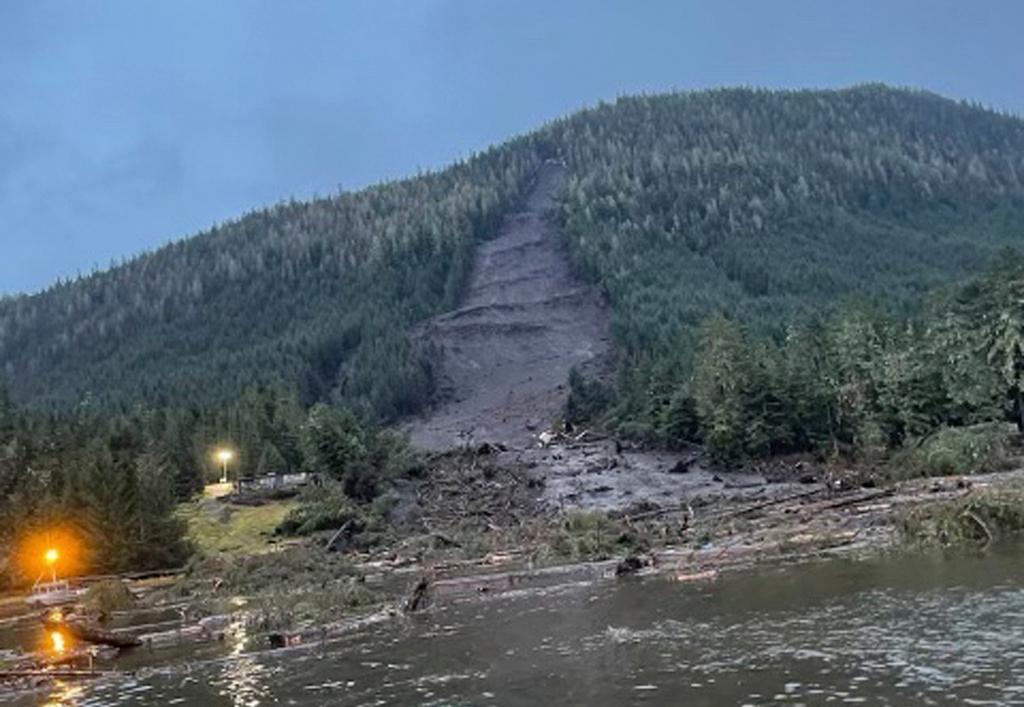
x=918 y=631
x=65 y=694
x=243 y=676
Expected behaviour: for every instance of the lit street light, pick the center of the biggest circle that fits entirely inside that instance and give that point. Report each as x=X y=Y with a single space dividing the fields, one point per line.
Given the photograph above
x=51 y=558
x=224 y=456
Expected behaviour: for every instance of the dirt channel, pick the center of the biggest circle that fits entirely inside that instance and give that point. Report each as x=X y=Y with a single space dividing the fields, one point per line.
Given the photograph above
x=507 y=351
x=525 y=321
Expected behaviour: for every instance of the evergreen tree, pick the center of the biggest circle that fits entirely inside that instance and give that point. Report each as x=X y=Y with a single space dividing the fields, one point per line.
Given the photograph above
x=334 y=446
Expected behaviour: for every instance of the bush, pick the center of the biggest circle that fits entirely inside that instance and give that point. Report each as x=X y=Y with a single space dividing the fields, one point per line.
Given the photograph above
x=592 y=535
x=978 y=449
x=107 y=597
x=322 y=508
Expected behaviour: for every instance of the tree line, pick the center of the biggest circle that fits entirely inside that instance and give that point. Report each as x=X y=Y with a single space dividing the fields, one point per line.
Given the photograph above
x=770 y=205
x=113 y=482
x=859 y=382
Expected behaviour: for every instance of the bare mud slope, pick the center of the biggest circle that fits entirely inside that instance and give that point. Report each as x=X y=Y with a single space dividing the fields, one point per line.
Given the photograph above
x=507 y=351
x=524 y=323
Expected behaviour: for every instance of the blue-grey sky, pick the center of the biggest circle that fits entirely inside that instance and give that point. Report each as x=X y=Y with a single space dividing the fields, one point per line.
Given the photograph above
x=124 y=124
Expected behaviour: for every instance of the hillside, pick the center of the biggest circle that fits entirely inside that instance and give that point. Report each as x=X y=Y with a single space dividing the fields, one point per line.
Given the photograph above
x=760 y=203
x=314 y=296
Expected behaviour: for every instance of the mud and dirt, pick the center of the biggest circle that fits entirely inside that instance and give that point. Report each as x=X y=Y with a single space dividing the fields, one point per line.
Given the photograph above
x=524 y=322
x=507 y=351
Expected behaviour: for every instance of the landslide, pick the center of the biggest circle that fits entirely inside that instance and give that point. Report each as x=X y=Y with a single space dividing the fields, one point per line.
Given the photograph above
x=524 y=322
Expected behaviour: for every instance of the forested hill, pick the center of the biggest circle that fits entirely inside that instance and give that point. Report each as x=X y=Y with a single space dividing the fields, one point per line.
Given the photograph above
x=756 y=202
x=315 y=296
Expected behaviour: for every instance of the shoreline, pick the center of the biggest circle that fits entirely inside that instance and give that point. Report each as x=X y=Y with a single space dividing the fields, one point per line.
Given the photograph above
x=721 y=539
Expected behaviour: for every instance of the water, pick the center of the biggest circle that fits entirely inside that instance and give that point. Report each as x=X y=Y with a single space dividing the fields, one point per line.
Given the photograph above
x=926 y=630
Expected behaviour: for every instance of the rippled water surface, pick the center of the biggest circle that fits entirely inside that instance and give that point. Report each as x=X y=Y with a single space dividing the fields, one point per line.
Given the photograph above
x=897 y=631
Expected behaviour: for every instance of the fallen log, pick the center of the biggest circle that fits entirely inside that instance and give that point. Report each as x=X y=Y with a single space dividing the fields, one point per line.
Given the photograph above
x=344 y=532
x=863 y=498
x=658 y=512
x=90 y=633
x=696 y=576
x=56 y=674
x=764 y=504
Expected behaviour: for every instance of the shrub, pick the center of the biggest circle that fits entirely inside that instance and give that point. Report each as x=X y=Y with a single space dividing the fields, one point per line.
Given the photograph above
x=977 y=449
x=592 y=535
x=108 y=596
x=321 y=508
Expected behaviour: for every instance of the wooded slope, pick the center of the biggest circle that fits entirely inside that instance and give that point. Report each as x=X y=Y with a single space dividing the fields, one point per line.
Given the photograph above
x=759 y=203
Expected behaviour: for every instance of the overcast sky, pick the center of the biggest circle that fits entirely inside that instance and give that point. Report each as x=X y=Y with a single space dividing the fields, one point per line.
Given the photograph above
x=126 y=124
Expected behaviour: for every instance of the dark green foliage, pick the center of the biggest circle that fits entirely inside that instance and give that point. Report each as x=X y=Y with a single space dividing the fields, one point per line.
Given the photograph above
x=768 y=205
x=334 y=445
x=116 y=480
x=325 y=508
x=864 y=383
x=316 y=296
x=736 y=393
x=103 y=477
x=588 y=399
x=270 y=461
x=990 y=313
x=760 y=204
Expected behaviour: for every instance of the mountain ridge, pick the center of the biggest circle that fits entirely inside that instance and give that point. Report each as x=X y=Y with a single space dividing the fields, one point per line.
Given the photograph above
x=759 y=202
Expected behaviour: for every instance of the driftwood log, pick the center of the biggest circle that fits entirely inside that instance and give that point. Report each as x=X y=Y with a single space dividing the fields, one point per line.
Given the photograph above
x=342 y=537
x=53 y=674
x=417 y=598
x=87 y=632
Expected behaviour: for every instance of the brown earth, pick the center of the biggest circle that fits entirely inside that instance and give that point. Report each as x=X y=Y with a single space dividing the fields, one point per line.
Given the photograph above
x=507 y=351
x=524 y=323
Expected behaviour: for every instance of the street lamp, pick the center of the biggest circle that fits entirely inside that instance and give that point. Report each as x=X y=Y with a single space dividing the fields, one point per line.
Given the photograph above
x=224 y=456
x=51 y=558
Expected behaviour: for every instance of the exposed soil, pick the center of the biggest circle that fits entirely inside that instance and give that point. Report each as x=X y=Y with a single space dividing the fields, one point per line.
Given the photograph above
x=524 y=323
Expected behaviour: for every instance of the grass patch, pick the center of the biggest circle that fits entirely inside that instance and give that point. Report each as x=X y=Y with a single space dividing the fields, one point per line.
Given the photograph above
x=218 y=528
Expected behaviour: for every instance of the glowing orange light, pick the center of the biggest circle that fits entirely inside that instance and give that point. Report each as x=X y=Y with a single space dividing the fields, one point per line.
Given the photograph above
x=41 y=553
x=57 y=638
